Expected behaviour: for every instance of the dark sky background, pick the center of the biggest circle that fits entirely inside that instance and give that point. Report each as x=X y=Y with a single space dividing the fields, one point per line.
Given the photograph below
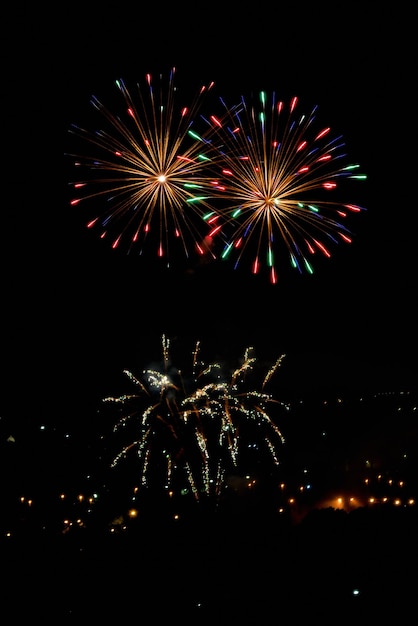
x=77 y=313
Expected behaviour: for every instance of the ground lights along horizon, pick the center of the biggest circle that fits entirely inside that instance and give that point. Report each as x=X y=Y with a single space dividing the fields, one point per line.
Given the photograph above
x=235 y=182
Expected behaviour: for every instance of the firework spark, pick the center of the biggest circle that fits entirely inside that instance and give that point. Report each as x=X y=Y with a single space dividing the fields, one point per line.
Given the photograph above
x=196 y=427
x=281 y=175
x=149 y=172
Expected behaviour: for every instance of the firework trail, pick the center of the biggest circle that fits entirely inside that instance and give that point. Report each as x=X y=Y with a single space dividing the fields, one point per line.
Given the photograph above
x=196 y=427
x=148 y=179
x=281 y=175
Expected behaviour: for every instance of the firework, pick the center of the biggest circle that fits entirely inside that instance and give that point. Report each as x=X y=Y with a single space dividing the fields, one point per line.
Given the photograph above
x=148 y=179
x=197 y=428
x=282 y=177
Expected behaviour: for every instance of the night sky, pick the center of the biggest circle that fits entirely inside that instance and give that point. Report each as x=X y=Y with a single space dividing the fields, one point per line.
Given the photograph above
x=76 y=313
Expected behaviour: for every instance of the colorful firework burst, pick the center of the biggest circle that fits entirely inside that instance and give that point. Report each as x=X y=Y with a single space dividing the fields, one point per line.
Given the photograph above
x=281 y=178
x=149 y=172
x=196 y=429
